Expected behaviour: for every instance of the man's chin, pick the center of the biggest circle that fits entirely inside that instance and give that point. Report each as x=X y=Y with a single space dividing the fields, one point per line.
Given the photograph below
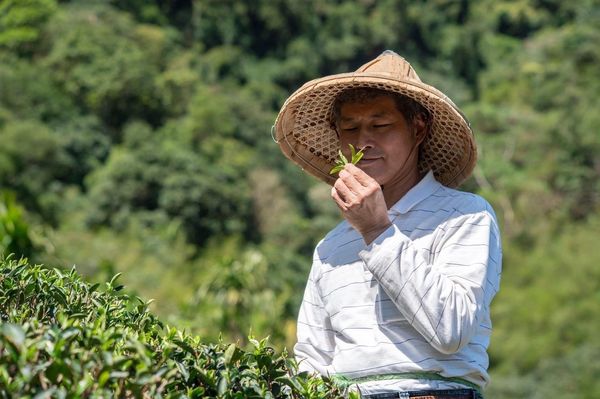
x=372 y=167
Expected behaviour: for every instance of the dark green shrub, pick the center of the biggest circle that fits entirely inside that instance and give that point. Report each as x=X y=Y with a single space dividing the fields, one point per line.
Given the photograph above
x=61 y=337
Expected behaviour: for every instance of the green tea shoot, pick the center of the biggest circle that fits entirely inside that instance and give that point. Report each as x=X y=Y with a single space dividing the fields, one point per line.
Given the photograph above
x=342 y=161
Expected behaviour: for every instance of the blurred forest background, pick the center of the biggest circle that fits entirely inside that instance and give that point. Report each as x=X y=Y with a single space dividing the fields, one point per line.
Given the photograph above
x=135 y=138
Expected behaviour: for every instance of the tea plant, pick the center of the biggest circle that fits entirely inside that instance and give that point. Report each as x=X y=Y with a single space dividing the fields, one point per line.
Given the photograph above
x=62 y=337
x=355 y=157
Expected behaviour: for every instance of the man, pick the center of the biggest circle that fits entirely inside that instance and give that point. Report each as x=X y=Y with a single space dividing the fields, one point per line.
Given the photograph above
x=397 y=301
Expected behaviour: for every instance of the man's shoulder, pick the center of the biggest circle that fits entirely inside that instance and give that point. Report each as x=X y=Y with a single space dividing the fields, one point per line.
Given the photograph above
x=337 y=233
x=336 y=237
x=465 y=202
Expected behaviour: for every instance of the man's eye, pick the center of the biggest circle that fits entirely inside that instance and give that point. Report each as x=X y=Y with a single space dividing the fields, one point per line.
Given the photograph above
x=381 y=125
x=349 y=129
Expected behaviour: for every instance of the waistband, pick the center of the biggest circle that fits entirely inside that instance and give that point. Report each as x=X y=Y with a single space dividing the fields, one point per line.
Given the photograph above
x=428 y=394
x=345 y=382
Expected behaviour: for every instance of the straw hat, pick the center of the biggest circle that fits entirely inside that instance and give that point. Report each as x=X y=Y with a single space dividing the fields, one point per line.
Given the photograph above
x=305 y=132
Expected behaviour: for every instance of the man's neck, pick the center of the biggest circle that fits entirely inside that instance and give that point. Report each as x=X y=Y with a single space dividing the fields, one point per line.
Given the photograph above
x=393 y=192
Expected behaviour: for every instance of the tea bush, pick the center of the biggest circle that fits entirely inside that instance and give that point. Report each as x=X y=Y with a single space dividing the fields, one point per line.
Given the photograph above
x=62 y=337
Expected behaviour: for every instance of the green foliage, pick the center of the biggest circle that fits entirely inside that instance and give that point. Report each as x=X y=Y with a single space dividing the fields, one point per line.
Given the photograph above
x=550 y=303
x=85 y=146
x=14 y=230
x=38 y=162
x=543 y=162
x=355 y=157
x=31 y=161
x=62 y=337
x=135 y=137
x=236 y=296
x=154 y=248
x=99 y=59
x=571 y=376
x=20 y=22
x=167 y=178
x=29 y=92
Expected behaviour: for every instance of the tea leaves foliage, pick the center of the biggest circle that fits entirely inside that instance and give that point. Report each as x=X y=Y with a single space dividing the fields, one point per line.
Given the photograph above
x=62 y=337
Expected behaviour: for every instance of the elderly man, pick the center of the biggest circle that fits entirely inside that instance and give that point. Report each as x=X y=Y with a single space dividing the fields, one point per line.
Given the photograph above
x=398 y=298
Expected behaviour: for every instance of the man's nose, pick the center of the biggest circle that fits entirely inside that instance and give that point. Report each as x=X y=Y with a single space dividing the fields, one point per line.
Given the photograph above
x=364 y=140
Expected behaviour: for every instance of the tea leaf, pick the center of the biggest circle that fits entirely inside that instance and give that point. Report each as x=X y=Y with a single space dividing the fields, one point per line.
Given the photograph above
x=356 y=156
x=342 y=157
x=342 y=161
x=229 y=353
x=14 y=333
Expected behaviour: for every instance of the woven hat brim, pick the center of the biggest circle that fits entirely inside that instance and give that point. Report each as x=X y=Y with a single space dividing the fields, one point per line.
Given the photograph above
x=304 y=131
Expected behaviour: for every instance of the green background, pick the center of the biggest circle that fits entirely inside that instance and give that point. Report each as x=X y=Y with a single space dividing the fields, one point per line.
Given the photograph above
x=135 y=138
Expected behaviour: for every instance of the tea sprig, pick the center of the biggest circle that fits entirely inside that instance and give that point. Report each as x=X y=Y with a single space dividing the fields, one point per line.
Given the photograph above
x=342 y=161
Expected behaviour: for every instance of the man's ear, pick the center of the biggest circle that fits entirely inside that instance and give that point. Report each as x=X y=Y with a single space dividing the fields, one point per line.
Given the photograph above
x=334 y=127
x=420 y=127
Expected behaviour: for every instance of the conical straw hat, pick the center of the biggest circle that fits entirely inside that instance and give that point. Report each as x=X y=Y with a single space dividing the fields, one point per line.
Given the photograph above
x=305 y=131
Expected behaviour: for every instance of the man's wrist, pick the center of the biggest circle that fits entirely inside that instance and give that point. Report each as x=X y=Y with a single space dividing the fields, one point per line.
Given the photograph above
x=370 y=235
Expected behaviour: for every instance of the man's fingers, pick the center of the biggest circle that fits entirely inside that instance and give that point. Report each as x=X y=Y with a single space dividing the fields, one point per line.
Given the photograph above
x=343 y=192
x=338 y=200
x=361 y=177
x=364 y=183
x=350 y=181
x=344 y=203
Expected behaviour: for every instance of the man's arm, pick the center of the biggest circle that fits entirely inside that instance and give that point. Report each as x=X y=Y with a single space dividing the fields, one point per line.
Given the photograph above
x=315 y=346
x=443 y=300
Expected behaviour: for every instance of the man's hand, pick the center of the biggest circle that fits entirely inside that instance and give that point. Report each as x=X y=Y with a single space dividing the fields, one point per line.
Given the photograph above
x=362 y=203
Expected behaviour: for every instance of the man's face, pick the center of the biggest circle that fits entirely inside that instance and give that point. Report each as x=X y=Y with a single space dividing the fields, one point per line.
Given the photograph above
x=388 y=140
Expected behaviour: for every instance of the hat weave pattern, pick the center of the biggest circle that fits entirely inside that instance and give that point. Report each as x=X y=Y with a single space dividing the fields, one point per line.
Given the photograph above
x=305 y=131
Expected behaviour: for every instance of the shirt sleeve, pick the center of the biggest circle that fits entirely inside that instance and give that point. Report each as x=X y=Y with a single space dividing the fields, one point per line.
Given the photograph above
x=445 y=291
x=315 y=346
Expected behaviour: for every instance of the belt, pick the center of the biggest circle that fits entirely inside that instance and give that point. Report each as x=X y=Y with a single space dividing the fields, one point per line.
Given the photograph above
x=345 y=382
x=428 y=394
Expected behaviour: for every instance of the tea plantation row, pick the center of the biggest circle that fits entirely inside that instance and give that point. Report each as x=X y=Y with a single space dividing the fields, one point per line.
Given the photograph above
x=62 y=337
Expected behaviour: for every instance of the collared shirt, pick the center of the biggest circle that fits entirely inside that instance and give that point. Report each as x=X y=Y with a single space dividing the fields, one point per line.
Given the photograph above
x=416 y=299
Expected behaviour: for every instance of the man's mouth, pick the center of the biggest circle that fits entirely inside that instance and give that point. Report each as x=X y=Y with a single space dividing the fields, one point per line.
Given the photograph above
x=368 y=160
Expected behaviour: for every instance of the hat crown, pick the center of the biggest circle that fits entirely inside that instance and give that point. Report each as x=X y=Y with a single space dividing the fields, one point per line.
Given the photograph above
x=391 y=65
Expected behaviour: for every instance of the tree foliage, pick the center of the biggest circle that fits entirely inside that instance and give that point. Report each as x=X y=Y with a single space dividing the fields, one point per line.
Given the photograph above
x=135 y=138
x=21 y=23
x=15 y=237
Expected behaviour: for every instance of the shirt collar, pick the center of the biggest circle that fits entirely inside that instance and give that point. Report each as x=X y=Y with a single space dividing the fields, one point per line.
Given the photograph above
x=423 y=189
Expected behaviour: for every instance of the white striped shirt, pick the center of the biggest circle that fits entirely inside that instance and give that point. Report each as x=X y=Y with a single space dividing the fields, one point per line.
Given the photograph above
x=417 y=299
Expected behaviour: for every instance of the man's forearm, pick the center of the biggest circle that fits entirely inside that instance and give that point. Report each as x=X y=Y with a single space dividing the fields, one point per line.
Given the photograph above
x=441 y=300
